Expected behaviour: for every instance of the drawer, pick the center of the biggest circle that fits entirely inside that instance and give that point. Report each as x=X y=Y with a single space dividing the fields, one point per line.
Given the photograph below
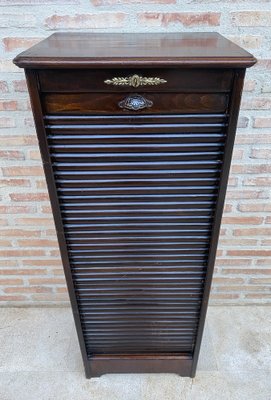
x=127 y=103
x=136 y=80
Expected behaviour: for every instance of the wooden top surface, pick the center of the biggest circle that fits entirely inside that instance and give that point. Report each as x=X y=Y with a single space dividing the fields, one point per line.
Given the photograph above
x=67 y=50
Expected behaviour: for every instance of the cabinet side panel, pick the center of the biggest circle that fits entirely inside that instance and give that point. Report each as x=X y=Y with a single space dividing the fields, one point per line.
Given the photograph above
x=234 y=105
x=33 y=88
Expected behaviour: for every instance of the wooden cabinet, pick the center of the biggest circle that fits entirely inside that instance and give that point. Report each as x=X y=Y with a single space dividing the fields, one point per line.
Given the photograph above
x=136 y=133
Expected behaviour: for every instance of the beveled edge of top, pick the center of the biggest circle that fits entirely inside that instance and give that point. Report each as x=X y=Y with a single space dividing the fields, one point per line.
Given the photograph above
x=27 y=59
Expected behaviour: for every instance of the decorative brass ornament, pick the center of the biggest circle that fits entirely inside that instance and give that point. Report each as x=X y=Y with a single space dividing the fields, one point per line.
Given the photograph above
x=135 y=102
x=135 y=81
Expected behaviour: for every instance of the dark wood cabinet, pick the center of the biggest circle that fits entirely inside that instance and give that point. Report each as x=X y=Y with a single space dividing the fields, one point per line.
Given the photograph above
x=136 y=134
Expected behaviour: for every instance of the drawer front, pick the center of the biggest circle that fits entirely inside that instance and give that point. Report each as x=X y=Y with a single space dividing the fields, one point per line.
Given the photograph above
x=134 y=80
x=123 y=103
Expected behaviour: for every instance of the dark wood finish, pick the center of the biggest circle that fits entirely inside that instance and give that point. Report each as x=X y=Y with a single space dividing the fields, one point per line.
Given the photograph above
x=88 y=80
x=108 y=103
x=137 y=195
x=73 y=50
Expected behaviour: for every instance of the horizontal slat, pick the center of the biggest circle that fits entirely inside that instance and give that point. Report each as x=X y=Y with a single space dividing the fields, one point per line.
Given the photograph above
x=137 y=202
x=83 y=184
x=141 y=165
x=200 y=120
x=193 y=175
x=134 y=139
x=121 y=149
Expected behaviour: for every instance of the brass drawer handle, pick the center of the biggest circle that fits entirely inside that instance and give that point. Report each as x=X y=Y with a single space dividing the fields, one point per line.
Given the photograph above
x=135 y=102
x=134 y=81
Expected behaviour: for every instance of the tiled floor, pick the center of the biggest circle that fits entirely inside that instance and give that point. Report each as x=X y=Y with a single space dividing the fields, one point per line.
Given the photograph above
x=40 y=360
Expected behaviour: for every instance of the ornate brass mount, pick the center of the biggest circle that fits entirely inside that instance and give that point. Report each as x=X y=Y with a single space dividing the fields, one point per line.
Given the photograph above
x=135 y=102
x=134 y=81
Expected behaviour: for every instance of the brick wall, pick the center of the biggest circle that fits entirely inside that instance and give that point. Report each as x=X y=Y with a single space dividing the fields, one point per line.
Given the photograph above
x=31 y=271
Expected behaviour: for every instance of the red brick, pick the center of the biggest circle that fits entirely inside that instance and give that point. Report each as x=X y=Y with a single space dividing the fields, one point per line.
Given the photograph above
x=262 y=122
x=12 y=298
x=17 y=209
x=251 y=18
x=51 y=297
x=32 y=289
x=8 y=263
x=242 y=220
x=185 y=19
x=20 y=233
x=11 y=155
x=20 y=85
x=257 y=103
x=260 y=281
x=258 y=181
x=8 y=282
x=22 y=171
x=227 y=281
x=34 y=155
x=246 y=271
x=37 y=243
x=249 y=85
x=42 y=263
x=58 y=271
x=34 y=221
x=227 y=208
x=258 y=207
x=260 y=296
x=224 y=296
x=255 y=138
x=55 y=253
x=61 y=290
x=46 y=281
x=251 y=169
x=238 y=242
x=261 y=153
x=6 y=122
x=252 y=232
x=3 y=87
x=14 y=182
x=240 y=289
x=19 y=140
x=8 y=105
x=21 y=253
x=232 y=262
x=46 y=209
x=248 y=194
x=29 y=196
x=238 y=154
x=83 y=21
x=5 y=243
x=41 y=184
x=245 y=253
x=15 y=43
x=20 y=271
x=263 y=262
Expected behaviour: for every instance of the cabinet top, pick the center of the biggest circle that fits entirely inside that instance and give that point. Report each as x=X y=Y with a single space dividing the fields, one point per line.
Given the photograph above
x=87 y=50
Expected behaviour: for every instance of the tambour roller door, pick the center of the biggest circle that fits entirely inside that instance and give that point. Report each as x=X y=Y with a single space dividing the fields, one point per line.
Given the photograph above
x=137 y=204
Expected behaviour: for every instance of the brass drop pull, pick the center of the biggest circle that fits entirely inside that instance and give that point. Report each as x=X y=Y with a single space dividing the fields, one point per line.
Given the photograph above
x=135 y=102
x=134 y=81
